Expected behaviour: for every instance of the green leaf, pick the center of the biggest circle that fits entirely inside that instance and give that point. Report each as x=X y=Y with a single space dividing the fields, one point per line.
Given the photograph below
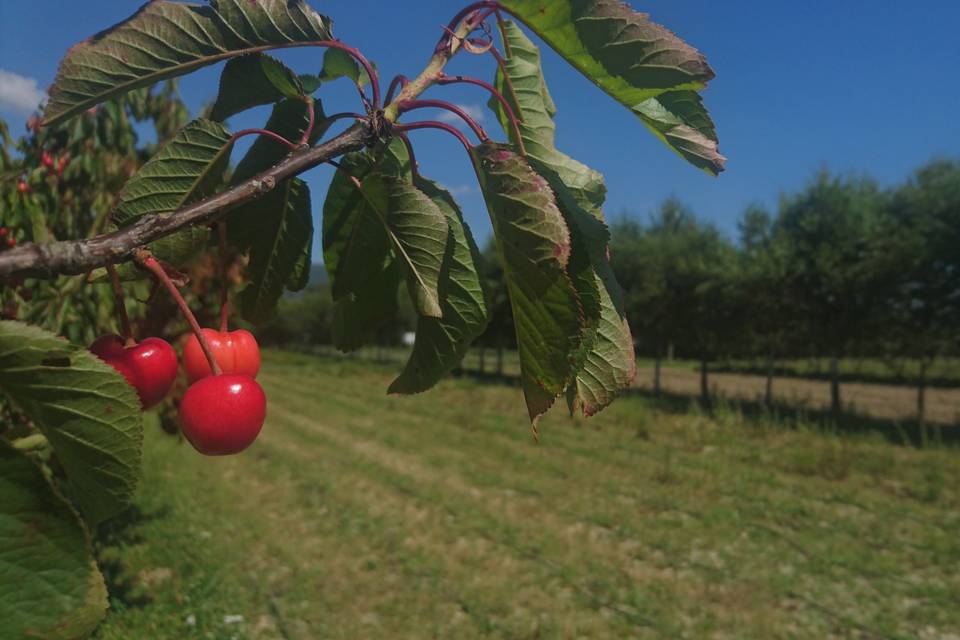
x=337 y=63
x=281 y=252
x=526 y=91
x=52 y=588
x=87 y=411
x=534 y=243
x=633 y=60
x=250 y=224
x=253 y=80
x=681 y=121
x=358 y=316
x=309 y=82
x=362 y=223
x=355 y=243
x=442 y=342
x=289 y=119
x=364 y=274
x=166 y=39
x=604 y=363
x=188 y=168
x=417 y=229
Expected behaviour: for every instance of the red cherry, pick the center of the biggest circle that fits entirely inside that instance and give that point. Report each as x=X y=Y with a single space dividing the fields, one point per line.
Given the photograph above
x=3 y=232
x=149 y=366
x=222 y=415
x=235 y=352
x=47 y=160
x=11 y=242
x=23 y=187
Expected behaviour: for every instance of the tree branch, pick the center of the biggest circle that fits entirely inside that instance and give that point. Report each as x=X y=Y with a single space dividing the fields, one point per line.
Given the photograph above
x=71 y=257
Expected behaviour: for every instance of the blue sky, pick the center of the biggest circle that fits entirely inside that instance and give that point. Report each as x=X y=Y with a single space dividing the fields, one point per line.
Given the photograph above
x=856 y=87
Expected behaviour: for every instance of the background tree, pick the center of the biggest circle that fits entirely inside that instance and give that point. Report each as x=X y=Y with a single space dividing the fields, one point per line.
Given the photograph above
x=919 y=256
x=828 y=232
x=769 y=322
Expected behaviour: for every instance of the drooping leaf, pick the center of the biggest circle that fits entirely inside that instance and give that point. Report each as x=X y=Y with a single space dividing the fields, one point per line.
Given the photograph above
x=87 y=411
x=632 y=59
x=442 y=342
x=52 y=587
x=534 y=243
x=289 y=119
x=417 y=229
x=527 y=94
x=358 y=316
x=281 y=252
x=256 y=220
x=363 y=272
x=188 y=168
x=604 y=363
x=355 y=243
x=252 y=80
x=368 y=213
x=166 y=39
x=681 y=121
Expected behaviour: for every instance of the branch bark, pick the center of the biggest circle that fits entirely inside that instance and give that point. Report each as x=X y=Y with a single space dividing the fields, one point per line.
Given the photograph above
x=72 y=257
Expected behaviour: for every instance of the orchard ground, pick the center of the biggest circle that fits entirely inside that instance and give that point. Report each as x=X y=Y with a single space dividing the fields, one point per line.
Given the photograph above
x=358 y=515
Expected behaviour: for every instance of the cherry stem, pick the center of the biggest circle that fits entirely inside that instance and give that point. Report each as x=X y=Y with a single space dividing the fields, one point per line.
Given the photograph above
x=401 y=81
x=150 y=263
x=410 y=105
x=305 y=140
x=262 y=132
x=514 y=121
x=224 y=277
x=121 y=304
x=433 y=124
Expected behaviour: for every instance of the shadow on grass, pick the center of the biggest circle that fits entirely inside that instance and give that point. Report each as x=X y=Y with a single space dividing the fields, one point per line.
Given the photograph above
x=944 y=381
x=902 y=432
x=112 y=537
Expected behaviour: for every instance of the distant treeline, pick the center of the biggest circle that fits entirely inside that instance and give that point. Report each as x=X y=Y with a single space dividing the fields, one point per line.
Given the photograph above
x=842 y=268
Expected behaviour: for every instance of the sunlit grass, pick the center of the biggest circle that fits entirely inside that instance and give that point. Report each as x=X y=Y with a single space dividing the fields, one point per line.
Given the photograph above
x=358 y=515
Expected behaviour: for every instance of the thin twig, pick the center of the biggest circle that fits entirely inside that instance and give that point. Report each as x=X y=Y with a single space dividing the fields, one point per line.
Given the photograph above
x=72 y=257
x=398 y=81
x=511 y=115
x=262 y=132
x=409 y=105
x=434 y=124
x=147 y=261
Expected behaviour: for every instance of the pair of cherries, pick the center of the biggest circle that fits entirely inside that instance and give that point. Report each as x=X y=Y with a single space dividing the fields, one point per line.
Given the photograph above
x=219 y=414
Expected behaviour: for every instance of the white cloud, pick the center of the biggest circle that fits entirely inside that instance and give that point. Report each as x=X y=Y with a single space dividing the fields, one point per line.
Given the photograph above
x=19 y=92
x=475 y=111
x=460 y=189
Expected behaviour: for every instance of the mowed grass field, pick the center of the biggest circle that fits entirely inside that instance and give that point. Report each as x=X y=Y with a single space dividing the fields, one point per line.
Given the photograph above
x=358 y=515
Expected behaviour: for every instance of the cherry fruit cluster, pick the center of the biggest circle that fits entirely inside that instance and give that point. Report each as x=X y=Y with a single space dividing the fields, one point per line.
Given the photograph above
x=220 y=413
